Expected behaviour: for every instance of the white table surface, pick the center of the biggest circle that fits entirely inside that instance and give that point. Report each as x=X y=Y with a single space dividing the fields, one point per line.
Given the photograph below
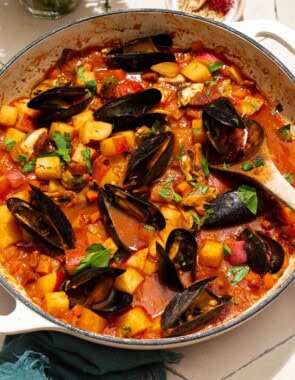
x=262 y=348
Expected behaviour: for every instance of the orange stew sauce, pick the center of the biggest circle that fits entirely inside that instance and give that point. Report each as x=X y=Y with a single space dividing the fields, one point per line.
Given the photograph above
x=181 y=191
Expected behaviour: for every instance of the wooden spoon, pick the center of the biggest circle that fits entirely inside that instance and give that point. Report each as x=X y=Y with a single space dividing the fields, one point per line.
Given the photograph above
x=266 y=176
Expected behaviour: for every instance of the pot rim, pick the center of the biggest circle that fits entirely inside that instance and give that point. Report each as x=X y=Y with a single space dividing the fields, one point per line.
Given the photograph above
x=170 y=342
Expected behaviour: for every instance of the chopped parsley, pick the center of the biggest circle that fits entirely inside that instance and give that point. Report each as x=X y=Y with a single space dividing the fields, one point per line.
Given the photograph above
x=248 y=196
x=208 y=92
x=258 y=162
x=155 y=127
x=86 y=154
x=226 y=166
x=28 y=166
x=205 y=166
x=210 y=83
x=202 y=189
x=9 y=144
x=168 y=191
x=126 y=330
x=277 y=109
x=147 y=227
x=246 y=166
x=214 y=66
x=63 y=144
x=289 y=177
x=285 y=133
x=90 y=84
x=237 y=273
x=98 y=257
x=226 y=250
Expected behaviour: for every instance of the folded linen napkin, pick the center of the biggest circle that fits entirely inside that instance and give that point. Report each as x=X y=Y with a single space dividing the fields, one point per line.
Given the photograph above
x=57 y=356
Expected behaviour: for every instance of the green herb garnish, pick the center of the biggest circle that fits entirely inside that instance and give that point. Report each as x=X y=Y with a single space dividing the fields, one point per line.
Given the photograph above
x=126 y=330
x=258 y=162
x=248 y=196
x=214 y=66
x=205 y=166
x=9 y=144
x=285 y=133
x=98 y=257
x=238 y=273
x=86 y=154
x=226 y=166
x=289 y=177
x=63 y=145
x=166 y=191
x=226 y=250
x=147 y=227
x=246 y=166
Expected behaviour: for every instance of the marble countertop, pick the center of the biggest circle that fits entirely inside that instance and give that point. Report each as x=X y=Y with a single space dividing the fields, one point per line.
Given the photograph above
x=262 y=348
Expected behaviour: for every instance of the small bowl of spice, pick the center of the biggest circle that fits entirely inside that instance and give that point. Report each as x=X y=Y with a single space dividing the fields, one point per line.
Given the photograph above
x=219 y=10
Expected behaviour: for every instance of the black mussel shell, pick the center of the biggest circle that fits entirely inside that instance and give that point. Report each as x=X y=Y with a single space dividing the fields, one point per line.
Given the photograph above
x=167 y=272
x=55 y=214
x=141 y=54
x=36 y=223
x=90 y=276
x=264 y=254
x=115 y=303
x=135 y=205
x=228 y=209
x=183 y=313
x=182 y=246
x=60 y=103
x=130 y=111
x=149 y=160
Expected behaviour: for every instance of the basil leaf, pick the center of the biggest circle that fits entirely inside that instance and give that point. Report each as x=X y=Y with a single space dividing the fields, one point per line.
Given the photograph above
x=214 y=66
x=238 y=272
x=248 y=196
x=98 y=257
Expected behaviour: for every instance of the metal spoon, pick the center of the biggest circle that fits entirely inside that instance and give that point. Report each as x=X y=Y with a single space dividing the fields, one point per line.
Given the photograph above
x=267 y=176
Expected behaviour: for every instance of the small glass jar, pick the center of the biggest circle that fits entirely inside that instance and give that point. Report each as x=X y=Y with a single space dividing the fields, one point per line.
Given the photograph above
x=49 y=8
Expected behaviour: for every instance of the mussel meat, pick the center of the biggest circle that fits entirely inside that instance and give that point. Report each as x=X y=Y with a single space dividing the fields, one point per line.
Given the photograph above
x=140 y=54
x=93 y=288
x=231 y=137
x=43 y=219
x=191 y=308
x=149 y=160
x=130 y=111
x=178 y=256
x=228 y=209
x=60 y=103
x=264 y=254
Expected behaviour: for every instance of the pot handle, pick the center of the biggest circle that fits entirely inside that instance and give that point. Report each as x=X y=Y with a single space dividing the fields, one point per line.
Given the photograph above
x=267 y=28
x=23 y=319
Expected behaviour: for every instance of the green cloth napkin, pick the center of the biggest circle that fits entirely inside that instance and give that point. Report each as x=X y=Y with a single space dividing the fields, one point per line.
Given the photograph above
x=58 y=356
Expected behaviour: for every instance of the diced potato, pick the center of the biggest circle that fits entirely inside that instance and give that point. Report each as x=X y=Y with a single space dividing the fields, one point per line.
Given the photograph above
x=133 y=322
x=77 y=153
x=94 y=131
x=15 y=137
x=196 y=71
x=199 y=134
x=117 y=144
x=170 y=213
x=47 y=283
x=109 y=177
x=152 y=246
x=81 y=118
x=8 y=115
x=128 y=281
x=88 y=320
x=10 y=231
x=25 y=195
x=211 y=254
x=156 y=324
x=63 y=128
x=55 y=186
x=48 y=168
x=249 y=105
x=111 y=245
x=22 y=108
x=166 y=69
x=56 y=303
x=87 y=76
x=150 y=267
x=137 y=260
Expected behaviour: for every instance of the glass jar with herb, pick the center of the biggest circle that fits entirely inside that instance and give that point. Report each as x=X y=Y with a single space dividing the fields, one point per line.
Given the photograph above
x=49 y=8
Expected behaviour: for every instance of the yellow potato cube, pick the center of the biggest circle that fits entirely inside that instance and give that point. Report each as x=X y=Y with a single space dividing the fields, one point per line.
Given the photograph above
x=150 y=267
x=111 y=245
x=128 y=281
x=56 y=303
x=133 y=322
x=196 y=71
x=47 y=283
x=12 y=142
x=8 y=115
x=94 y=131
x=138 y=259
x=166 y=69
x=211 y=254
x=10 y=231
x=77 y=153
x=88 y=320
x=80 y=80
x=199 y=134
x=48 y=168
x=109 y=177
x=22 y=108
x=81 y=118
x=120 y=143
x=25 y=195
x=63 y=128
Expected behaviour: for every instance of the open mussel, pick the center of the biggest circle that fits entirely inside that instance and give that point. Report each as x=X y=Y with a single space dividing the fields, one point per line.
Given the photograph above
x=93 y=288
x=60 y=103
x=112 y=199
x=130 y=111
x=149 y=160
x=264 y=254
x=229 y=209
x=191 y=308
x=231 y=137
x=178 y=256
x=140 y=54
x=43 y=219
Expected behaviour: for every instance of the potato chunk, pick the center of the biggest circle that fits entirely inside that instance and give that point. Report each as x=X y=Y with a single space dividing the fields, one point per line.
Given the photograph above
x=211 y=254
x=8 y=115
x=196 y=71
x=10 y=231
x=88 y=320
x=56 y=303
x=133 y=322
x=128 y=281
x=94 y=131
x=48 y=168
x=166 y=69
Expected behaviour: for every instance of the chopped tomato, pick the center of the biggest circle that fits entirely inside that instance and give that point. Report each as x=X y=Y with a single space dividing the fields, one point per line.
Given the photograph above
x=129 y=87
x=4 y=186
x=100 y=167
x=15 y=178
